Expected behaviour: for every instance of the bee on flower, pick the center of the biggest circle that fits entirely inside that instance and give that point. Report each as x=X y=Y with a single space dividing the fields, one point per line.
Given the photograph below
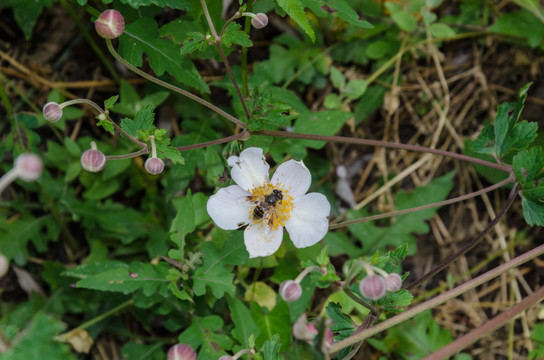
x=267 y=206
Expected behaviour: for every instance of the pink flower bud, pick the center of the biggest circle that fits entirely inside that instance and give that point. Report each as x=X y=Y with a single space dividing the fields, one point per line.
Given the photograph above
x=181 y=352
x=302 y=330
x=290 y=290
x=52 y=112
x=93 y=160
x=154 y=166
x=259 y=21
x=394 y=282
x=328 y=340
x=110 y=24
x=373 y=287
x=29 y=167
x=4 y=265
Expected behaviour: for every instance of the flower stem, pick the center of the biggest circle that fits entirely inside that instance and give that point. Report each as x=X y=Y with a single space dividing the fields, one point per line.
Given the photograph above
x=128 y=156
x=217 y=42
x=8 y=178
x=358 y=300
x=305 y=272
x=386 y=144
x=470 y=244
x=438 y=300
x=244 y=135
x=508 y=180
x=172 y=87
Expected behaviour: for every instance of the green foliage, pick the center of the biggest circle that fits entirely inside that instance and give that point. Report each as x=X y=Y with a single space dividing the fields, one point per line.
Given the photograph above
x=26 y=13
x=538 y=336
x=295 y=10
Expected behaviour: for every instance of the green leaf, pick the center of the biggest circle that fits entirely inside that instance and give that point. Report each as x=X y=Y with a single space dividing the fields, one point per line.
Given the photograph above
x=142 y=36
x=244 y=326
x=533 y=212
x=404 y=20
x=26 y=12
x=528 y=165
x=110 y=102
x=275 y=322
x=533 y=6
x=441 y=30
x=233 y=35
x=355 y=89
x=150 y=278
x=332 y=101
x=208 y=334
x=193 y=42
x=337 y=78
x=485 y=143
x=538 y=336
x=522 y=25
x=184 y=222
x=509 y=133
x=173 y=4
x=337 y=8
x=143 y=122
x=535 y=194
x=295 y=10
x=271 y=349
x=135 y=351
x=320 y=123
x=342 y=324
x=36 y=341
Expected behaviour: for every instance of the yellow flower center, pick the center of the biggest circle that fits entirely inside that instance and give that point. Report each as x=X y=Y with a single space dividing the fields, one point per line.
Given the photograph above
x=272 y=208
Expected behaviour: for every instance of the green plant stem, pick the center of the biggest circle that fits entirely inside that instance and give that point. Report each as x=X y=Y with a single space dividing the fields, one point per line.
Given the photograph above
x=385 y=144
x=243 y=135
x=508 y=180
x=490 y=325
x=243 y=55
x=217 y=42
x=471 y=243
x=172 y=87
x=128 y=156
x=358 y=300
x=103 y=59
x=438 y=300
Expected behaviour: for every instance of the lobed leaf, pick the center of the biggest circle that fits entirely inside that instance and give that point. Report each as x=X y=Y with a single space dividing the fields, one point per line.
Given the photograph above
x=295 y=10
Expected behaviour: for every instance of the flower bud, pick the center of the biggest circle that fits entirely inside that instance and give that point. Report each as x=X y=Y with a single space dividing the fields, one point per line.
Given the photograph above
x=52 y=111
x=29 y=166
x=181 y=352
x=394 y=282
x=154 y=166
x=259 y=21
x=4 y=265
x=302 y=330
x=290 y=290
x=110 y=24
x=93 y=160
x=373 y=287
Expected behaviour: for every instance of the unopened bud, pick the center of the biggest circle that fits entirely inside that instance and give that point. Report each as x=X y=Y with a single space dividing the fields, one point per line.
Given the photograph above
x=29 y=167
x=373 y=287
x=110 y=24
x=302 y=330
x=181 y=352
x=154 y=166
x=93 y=160
x=52 y=111
x=290 y=290
x=259 y=21
x=4 y=265
x=394 y=282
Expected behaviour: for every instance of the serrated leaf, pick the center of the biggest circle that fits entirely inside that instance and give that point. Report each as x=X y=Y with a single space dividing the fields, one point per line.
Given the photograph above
x=337 y=8
x=509 y=133
x=485 y=143
x=208 y=334
x=534 y=194
x=106 y=125
x=295 y=10
x=342 y=324
x=271 y=349
x=123 y=279
x=233 y=35
x=142 y=36
x=533 y=212
x=143 y=121
x=193 y=42
x=244 y=326
x=528 y=164
x=110 y=102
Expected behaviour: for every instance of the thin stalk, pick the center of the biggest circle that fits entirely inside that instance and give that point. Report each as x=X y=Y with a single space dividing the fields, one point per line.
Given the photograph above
x=358 y=300
x=8 y=178
x=128 y=156
x=243 y=56
x=424 y=207
x=490 y=325
x=244 y=135
x=440 y=299
x=470 y=244
x=386 y=144
x=172 y=87
x=217 y=42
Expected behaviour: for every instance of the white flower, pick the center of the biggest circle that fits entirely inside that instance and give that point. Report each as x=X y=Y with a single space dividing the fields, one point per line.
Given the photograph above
x=267 y=206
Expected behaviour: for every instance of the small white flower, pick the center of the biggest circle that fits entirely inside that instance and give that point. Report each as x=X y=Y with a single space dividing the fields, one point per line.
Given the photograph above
x=303 y=215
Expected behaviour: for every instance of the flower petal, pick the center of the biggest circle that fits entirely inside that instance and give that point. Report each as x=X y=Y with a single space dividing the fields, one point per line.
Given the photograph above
x=229 y=207
x=250 y=169
x=308 y=222
x=262 y=240
x=293 y=175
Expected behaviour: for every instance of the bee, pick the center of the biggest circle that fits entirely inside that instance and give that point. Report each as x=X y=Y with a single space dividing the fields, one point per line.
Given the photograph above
x=265 y=207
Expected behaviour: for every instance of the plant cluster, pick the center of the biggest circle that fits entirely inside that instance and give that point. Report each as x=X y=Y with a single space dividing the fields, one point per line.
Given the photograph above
x=182 y=227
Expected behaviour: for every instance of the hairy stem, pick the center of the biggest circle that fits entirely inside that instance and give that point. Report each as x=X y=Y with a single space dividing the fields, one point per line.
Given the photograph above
x=438 y=300
x=172 y=87
x=508 y=180
x=358 y=300
x=470 y=244
x=128 y=156
x=217 y=42
x=386 y=144
x=244 y=135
